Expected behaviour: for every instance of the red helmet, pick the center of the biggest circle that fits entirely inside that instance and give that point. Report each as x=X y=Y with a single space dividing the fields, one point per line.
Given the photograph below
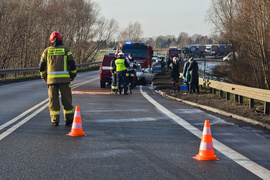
x=55 y=35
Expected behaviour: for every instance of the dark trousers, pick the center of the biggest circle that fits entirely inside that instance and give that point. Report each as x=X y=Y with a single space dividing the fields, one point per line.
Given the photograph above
x=192 y=87
x=130 y=76
x=121 y=78
x=114 y=83
x=175 y=84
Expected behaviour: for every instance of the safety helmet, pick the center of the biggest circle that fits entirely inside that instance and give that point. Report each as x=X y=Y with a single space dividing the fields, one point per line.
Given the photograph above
x=55 y=35
x=120 y=54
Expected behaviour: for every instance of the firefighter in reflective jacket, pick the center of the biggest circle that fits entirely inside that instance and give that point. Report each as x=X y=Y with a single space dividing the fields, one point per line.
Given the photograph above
x=120 y=65
x=130 y=72
x=114 y=77
x=57 y=68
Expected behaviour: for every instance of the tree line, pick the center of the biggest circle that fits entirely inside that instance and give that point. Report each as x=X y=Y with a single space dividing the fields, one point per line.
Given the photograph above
x=25 y=27
x=245 y=24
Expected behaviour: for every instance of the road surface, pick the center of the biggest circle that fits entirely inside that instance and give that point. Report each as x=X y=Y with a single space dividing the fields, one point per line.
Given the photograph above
x=138 y=136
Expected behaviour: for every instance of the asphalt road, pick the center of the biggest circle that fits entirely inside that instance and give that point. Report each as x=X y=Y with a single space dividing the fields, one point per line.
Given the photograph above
x=138 y=136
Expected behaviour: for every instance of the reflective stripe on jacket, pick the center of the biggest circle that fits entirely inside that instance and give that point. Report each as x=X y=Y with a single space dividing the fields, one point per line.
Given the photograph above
x=57 y=65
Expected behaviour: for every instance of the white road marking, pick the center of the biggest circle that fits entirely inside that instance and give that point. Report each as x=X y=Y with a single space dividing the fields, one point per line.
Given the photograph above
x=227 y=151
x=36 y=109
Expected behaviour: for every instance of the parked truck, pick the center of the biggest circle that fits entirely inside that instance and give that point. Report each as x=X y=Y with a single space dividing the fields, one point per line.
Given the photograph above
x=212 y=49
x=196 y=51
x=224 y=49
x=173 y=52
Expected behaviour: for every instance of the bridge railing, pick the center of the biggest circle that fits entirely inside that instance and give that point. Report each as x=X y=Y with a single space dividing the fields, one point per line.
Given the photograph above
x=14 y=72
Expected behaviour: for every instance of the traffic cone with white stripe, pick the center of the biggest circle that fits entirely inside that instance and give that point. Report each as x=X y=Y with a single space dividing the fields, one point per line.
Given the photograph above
x=76 y=129
x=206 y=151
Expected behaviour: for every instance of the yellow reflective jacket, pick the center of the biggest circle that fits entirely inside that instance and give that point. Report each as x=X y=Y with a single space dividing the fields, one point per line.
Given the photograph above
x=120 y=65
x=57 y=65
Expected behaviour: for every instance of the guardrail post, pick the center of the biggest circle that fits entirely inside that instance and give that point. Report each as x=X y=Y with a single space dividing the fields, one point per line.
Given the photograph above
x=228 y=96
x=241 y=99
x=235 y=98
x=251 y=103
x=215 y=91
x=266 y=108
x=221 y=93
x=211 y=90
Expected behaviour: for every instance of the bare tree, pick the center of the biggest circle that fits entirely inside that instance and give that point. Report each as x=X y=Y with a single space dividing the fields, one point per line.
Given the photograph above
x=133 y=32
x=245 y=23
x=25 y=27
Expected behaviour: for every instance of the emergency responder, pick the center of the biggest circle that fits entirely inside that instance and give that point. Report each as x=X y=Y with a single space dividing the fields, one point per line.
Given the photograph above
x=120 y=65
x=131 y=72
x=57 y=68
x=163 y=63
x=114 y=77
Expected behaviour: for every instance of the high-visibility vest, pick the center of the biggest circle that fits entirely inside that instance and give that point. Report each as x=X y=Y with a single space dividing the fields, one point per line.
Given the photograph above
x=120 y=64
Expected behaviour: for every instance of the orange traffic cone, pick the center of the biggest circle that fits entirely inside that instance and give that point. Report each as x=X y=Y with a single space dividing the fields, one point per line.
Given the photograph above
x=76 y=129
x=206 y=151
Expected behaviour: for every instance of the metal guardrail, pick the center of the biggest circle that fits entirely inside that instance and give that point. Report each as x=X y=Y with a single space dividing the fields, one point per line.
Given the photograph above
x=4 y=72
x=238 y=91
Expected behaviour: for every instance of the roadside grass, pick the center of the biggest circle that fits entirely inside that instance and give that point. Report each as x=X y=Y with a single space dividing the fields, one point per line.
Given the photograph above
x=215 y=100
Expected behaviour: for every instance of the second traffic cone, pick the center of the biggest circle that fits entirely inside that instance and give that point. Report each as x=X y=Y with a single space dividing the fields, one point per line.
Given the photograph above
x=206 y=151
x=76 y=129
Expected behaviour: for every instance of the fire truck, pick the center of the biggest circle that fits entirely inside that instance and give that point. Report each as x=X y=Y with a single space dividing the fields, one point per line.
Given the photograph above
x=173 y=52
x=140 y=52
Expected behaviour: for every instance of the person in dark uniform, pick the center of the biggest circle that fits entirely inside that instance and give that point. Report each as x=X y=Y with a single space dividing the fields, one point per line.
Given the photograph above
x=175 y=75
x=131 y=72
x=114 y=77
x=194 y=76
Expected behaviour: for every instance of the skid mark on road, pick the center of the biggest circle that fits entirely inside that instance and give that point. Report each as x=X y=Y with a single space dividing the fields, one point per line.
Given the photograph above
x=227 y=151
x=125 y=120
x=90 y=92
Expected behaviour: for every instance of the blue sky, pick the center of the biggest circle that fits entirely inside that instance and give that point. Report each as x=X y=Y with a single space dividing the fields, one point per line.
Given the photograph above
x=160 y=17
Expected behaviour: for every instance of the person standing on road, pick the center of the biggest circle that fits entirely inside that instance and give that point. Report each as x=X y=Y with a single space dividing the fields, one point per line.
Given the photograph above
x=168 y=64
x=131 y=73
x=163 y=63
x=121 y=64
x=186 y=74
x=57 y=68
x=194 y=76
x=114 y=78
x=175 y=75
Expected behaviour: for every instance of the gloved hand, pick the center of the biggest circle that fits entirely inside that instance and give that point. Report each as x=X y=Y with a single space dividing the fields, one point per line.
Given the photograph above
x=45 y=79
